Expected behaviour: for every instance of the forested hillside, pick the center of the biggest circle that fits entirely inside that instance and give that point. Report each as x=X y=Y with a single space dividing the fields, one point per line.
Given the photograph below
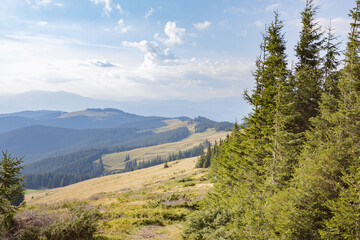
x=292 y=171
x=80 y=165
x=78 y=154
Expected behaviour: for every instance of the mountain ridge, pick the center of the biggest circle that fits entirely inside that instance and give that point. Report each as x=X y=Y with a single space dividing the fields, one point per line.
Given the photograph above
x=219 y=109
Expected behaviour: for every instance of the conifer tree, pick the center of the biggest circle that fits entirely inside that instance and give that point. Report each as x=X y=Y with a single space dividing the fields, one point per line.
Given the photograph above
x=11 y=187
x=308 y=75
x=248 y=167
x=331 y=63
x=201 y=160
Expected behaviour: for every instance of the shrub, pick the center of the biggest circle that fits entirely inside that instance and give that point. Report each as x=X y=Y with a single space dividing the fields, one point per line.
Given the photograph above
x=30 y=233
x=82 y=226
x=208 y=224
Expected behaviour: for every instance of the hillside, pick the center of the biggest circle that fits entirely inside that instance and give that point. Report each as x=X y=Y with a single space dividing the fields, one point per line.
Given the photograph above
x=115 y=183
x=148 y=203
x=65 y=156
x=115 y=161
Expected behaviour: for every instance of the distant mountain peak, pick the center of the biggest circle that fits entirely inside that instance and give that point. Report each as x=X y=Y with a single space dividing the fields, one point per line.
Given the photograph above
x=98 y=113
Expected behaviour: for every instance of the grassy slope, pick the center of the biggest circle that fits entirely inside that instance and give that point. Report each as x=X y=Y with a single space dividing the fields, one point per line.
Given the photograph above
x=149 y=203
x=116 y=160
x=114 y=183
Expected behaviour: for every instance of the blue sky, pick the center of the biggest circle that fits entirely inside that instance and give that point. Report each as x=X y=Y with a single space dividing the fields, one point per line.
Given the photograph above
x=132 y=50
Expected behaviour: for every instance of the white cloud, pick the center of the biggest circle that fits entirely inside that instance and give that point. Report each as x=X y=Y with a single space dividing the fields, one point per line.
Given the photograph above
x=154 y=55
x=122 y=27
x=42 y=23
x=202 y=25
x=149 y=13
x=107 y=3
x=174 y=34
x=272 y=7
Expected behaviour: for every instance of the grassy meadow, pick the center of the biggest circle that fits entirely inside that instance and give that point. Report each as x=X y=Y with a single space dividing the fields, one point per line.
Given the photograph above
x=115 y=161
x=149 y=203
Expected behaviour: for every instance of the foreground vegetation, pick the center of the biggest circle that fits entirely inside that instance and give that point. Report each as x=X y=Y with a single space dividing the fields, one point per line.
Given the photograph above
x=145 y=204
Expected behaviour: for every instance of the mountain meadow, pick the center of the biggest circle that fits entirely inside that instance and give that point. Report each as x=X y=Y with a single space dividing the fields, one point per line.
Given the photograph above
x=289 y=170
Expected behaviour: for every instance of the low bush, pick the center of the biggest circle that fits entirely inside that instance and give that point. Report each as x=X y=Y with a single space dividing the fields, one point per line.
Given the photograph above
x=208 y=224
x=82 y=226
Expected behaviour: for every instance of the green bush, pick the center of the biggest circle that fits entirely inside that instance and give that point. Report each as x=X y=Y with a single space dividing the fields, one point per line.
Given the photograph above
x=208 y=224
x=173 y=215
x=82 y=226
x=30 y=233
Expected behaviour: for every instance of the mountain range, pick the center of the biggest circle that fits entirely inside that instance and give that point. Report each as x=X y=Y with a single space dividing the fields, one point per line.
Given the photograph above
x=219 y=109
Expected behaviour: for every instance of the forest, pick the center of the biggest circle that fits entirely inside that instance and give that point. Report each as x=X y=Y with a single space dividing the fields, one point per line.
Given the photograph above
x=78 y=166
x=292 y=170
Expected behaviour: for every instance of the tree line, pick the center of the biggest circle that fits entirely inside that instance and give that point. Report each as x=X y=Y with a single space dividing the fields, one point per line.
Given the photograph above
x=293 y=170
x=70 y=168
x=134 y=164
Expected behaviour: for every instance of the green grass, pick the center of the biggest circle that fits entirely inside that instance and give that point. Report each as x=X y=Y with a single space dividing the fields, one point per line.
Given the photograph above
x=115 y=161
x=158 y=207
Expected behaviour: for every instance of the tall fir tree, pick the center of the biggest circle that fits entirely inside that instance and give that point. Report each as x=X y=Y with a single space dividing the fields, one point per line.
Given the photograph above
x=248 y=170
x=308 y=74
x=331 y=63
x=11 y=187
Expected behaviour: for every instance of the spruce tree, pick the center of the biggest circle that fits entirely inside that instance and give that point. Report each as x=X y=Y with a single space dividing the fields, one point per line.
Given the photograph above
x=308 y=74
x=201 y=160
x=11 y=187
x=248 y=169
x=331 y=63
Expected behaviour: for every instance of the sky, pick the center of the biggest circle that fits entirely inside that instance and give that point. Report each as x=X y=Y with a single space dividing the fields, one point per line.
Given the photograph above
x=141 y=49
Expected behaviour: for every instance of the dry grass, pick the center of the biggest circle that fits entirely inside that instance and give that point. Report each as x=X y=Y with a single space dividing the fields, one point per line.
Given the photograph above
x=114 y=183
x=172 y=124
x=115 y=161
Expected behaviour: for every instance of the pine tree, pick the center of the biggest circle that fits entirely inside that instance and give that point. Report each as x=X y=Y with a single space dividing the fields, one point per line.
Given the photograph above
x=331 y=63
x=201 y=160
x=308 y=75
x=11 y=187
x=248 y=169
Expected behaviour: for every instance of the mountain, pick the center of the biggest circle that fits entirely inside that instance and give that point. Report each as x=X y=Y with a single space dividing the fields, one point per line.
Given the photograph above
x=219 y=109
x=42 y=134
x=86 y=119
